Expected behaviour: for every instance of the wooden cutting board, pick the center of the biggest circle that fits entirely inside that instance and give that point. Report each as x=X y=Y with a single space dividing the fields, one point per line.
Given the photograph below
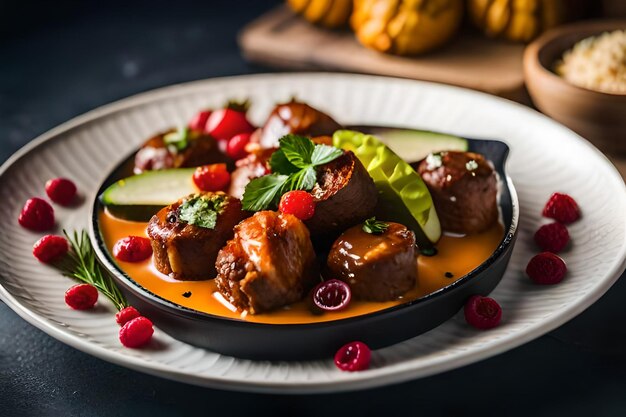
x=282 y=39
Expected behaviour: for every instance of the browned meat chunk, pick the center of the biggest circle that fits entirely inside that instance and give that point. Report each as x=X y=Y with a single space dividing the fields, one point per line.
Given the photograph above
x=464 y=189
x=345 y=194
x=255 y=165
x=200 y=149
x=269 y=263
x=185 y=245
x=378 y=267
x=294 y=117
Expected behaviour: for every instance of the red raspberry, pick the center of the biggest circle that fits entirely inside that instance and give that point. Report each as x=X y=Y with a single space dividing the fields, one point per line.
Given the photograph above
x=126 y=314
x=37 y=215
x=354 y=356
x=552 y=237
x=81 y=296
x=298 y=203
x=198 y=121
x=546 y=268
x=136 y=332
x=482 y=312
x=213 y=177
x=562 y=208
x=132 y=249
x=50 y=248
x=236 y=147
x=61 y=190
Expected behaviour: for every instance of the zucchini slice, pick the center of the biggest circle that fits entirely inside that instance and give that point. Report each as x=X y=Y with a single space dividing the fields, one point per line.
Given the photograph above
x=403 y=196
x=140 y=196
x=415 y=145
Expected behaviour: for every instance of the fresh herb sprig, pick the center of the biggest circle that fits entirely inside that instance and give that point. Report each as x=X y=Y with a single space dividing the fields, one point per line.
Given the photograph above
x=178 y=140
x=375 y=227
x=201 y=211
x=81 y=264
x=293 y=168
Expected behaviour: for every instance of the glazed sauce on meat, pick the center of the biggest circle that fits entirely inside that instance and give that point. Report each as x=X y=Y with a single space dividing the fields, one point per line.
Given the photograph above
x=298 y=118
x=360 y=246
x=456 y=257
x=355 y=247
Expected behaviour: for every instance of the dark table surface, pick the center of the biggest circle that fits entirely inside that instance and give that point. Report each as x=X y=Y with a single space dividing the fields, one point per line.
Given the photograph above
x=60 y=59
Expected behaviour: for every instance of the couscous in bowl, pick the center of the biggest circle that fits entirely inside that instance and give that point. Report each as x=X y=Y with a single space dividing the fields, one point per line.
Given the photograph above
x=597 y=116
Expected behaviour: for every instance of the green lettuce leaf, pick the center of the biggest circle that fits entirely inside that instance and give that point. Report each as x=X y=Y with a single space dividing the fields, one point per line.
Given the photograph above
x=403 y=196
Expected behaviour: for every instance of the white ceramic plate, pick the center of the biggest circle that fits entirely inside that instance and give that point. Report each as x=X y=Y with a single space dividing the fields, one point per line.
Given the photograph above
x=545 y=157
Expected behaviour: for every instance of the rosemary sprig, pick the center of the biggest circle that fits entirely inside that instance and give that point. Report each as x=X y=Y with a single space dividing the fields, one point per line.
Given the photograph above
x=81 y=264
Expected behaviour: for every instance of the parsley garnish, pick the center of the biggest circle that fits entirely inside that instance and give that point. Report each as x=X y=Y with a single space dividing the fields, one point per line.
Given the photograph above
x=293 y=166
x=374 y=226
x=201 y=210
x=263 y=192
x=177 y=141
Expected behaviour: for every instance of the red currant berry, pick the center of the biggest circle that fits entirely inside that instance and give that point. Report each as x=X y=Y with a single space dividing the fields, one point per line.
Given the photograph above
x=50 y=248
x=61 y=190
x=198 y=121
x=126 y=314
x=236 y=147
x=552 y=237
x=355 y=356
x=136 y=333
x=213 y=177
x=562 y=208
x=482 y=312
x=546 y=268
x=81 y=296
x=132 y=249
x=37 y=215
x=332 y=295
x=299 y=203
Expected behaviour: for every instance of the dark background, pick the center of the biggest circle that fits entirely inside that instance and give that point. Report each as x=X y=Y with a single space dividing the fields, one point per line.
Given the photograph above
x=61 y=59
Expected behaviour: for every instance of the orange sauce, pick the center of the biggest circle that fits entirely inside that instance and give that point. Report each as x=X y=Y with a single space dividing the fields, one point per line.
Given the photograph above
x=457 y=255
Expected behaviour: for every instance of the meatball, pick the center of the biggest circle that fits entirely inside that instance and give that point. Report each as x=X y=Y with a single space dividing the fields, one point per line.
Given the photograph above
x=378 y=267
x=268 y=264
x=201 y=149
x=345 y=194
x=464 y=189
x=185 y=246
x=294 y=117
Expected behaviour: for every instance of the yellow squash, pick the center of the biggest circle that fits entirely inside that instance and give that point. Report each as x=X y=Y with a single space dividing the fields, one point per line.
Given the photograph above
x=328 y=13
x=518 y=20
x=405 y=27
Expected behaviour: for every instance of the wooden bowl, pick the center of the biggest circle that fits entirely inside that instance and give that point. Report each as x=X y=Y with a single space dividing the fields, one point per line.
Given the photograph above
x=597 y=116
